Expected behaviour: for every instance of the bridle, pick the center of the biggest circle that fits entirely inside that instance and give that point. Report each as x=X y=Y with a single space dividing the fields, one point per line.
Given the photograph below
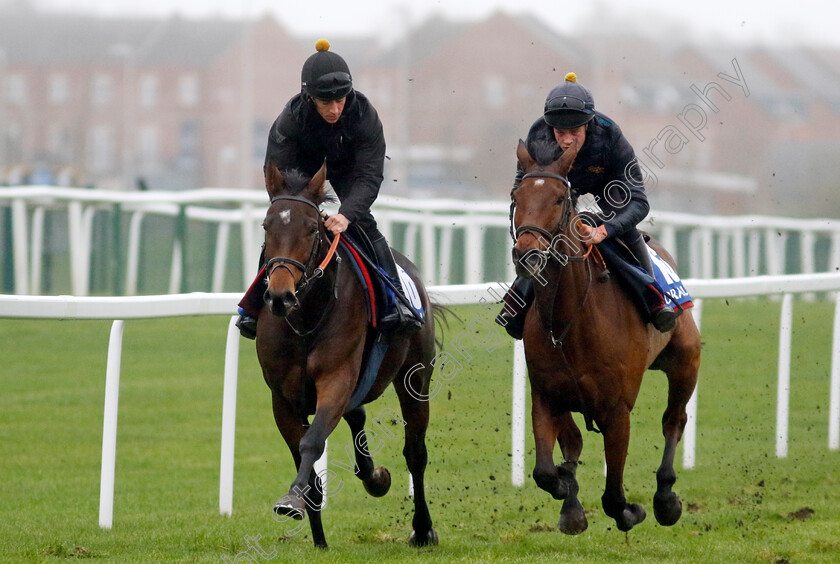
x=303 y=284
x=548 y=236
x=308 y=272
x=546 y=316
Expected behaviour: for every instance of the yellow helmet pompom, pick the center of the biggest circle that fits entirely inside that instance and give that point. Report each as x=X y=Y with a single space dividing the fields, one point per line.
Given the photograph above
x=322 y=45
x=571 y=77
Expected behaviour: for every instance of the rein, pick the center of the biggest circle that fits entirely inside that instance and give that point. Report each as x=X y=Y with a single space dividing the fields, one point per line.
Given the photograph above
x=547 y=317
x=307 y=277
x=276 y=262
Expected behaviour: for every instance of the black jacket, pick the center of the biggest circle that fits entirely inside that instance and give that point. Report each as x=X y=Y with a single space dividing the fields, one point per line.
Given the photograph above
x=354 y=148
x=605 y=160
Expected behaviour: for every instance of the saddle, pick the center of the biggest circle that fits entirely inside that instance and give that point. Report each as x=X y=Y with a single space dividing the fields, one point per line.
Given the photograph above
x=646 y=291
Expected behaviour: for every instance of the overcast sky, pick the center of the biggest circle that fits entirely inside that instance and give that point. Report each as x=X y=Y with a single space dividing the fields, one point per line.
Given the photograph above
x=800 y=21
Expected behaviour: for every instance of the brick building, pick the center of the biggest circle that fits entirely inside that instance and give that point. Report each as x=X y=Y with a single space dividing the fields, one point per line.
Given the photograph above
x=176 y=104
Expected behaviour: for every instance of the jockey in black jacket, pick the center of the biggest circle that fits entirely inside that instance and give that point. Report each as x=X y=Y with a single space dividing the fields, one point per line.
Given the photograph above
x=606 y=168
x=331 y=121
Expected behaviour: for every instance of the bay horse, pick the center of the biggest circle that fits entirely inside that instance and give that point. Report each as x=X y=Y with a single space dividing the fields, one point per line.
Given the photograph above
x=311 y=339
x=587 y=348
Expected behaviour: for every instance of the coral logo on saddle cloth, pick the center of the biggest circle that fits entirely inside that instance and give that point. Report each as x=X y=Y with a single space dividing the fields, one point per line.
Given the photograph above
x=410 y=290
x=669 y=281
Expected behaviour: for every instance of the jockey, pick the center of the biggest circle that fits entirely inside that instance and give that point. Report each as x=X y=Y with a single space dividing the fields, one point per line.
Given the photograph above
x=331 y=121
x=606 y=168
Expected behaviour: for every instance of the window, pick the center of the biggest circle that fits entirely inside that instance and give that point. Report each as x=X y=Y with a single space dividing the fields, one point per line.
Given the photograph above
x=100 y=151
x=17 y=89
x=102 y=91
x=188 y=145
x=495 y=92
x=188 y=91
x=58 y=89
x=259 y=139
x=149 y=91
x=148 y=137
x=58 y=143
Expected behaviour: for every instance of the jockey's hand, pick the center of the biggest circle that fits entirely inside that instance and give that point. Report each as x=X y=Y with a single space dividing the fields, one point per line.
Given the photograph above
x=337 y=223
x=591 y=235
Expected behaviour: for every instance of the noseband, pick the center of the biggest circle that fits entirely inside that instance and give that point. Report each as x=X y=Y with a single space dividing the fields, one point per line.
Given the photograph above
x=276 y=262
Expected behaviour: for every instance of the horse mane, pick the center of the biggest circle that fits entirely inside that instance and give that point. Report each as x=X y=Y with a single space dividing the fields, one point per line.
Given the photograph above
x=544 y=151
x=297 y=181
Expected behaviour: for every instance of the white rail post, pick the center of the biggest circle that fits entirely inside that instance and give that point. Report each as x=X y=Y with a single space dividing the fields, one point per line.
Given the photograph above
x=834 y=394
x=321 y=468
x=783 y=394
x=229 y=419
x=133 y=260
x=109 y=426
x=220 y=258
x=429 y=252
x=37 y=250
x=474 y=249
x=19 y=244
x=690 y=431
x=520 y=370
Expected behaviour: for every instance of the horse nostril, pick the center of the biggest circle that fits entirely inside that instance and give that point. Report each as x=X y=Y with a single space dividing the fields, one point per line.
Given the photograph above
x=290 y=301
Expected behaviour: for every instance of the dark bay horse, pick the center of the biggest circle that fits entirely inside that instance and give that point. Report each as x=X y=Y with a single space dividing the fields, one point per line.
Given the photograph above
x=587 y=348
x=311 y=339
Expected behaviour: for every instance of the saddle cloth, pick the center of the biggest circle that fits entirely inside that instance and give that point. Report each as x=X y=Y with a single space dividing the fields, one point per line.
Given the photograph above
x=380 y=297
x=669 y=281
x=646 y=291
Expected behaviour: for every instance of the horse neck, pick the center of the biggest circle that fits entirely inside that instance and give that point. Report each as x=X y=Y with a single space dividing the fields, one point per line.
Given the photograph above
x=567 y=286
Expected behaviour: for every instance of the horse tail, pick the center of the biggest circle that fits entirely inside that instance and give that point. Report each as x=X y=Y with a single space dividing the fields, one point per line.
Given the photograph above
x=441 y=314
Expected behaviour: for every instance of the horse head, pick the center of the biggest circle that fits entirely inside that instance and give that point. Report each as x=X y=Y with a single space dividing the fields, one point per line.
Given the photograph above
x=293 y=234
x=543 y=206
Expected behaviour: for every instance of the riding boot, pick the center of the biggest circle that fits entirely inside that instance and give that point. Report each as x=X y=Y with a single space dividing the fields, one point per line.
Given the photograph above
x=516 y=302
x=663 y=317
x=247 y=323
x=398 y=316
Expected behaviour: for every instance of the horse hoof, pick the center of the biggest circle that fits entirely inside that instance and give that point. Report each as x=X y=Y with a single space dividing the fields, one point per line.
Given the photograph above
x=572 y=522
x=632 y=515
x=430 y=540
x=667 y=508
x=379 y=482
x=290 y=506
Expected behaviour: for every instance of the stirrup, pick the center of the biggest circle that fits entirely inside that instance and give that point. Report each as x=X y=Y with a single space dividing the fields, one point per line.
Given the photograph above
x=247 y=325
x=664 y=319
x=400 y=320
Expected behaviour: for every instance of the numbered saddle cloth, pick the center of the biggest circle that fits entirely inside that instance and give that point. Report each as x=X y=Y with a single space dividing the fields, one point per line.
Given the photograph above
x=669 y=281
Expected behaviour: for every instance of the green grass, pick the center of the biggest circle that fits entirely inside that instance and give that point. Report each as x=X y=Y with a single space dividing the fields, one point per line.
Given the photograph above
x=741 y=503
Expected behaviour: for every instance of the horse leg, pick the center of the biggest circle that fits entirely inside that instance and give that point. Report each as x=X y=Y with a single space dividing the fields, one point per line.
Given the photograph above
x=306 y=491
x=559 y=481
x=292 y=427
x=682 y=378
x=572 y=518
x=615 y=427
x=377 y=481
x=416 y=413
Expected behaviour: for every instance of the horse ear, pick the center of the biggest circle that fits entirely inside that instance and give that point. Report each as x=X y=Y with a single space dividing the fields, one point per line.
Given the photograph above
x=564 y=163
x=315 y=189
x=274 y=179
x=524 y=157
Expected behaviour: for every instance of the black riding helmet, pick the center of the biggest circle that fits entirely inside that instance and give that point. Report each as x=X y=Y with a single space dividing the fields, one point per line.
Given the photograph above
x=325 y=75
x=569 y=105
